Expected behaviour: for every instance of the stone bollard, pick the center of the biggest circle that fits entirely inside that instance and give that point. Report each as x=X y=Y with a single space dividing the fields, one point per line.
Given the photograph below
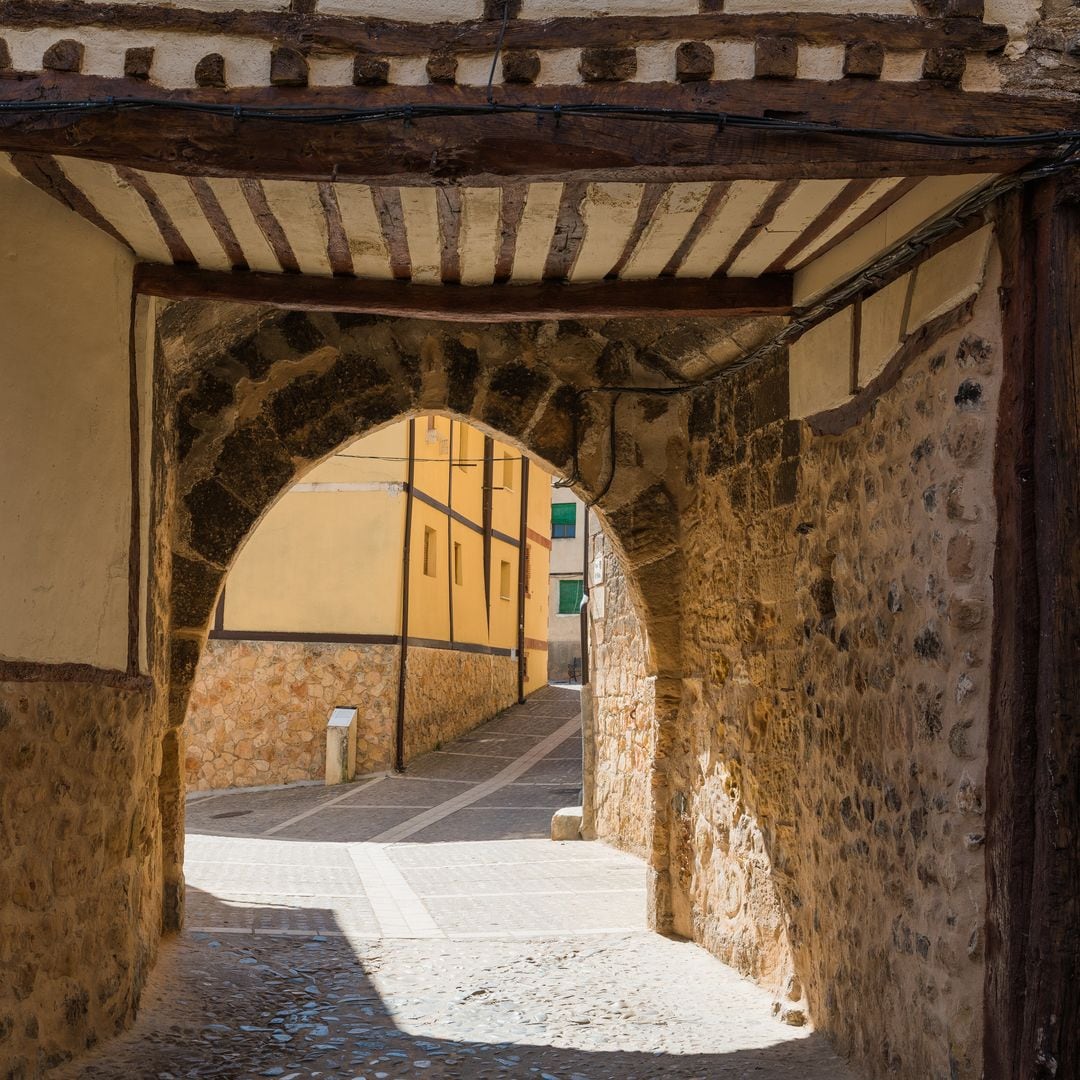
x=341 y=746
x=566 y=824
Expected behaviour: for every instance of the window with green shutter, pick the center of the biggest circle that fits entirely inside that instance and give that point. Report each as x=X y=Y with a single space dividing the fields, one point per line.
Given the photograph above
x=563 y=520
x=571 y=591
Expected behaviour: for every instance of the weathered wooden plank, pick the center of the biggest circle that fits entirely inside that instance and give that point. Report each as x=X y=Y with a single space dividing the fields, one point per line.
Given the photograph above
x=448 y=200
x=219 y=222
x=387 y=202
x=269 y=225
x=44 y=173
x=485 y=148
x=177 y=245
x=825 y=220
x=337 y=242
x=491 y=303
x=876 y=199
x=178 y=200
x=513 y=207
x=1032 y=999
x=780 y=195
x=569 y=234
x=394 y=38
x=650 y=200
x=716 y=198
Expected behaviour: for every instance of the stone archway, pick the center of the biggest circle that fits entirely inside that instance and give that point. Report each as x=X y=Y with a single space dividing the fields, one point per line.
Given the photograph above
x=272 y=393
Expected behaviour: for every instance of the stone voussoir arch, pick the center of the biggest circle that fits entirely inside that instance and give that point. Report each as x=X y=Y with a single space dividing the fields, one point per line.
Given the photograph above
x=249 y=417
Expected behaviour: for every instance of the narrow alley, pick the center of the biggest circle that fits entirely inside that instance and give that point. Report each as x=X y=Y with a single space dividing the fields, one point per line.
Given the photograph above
x=424 y=925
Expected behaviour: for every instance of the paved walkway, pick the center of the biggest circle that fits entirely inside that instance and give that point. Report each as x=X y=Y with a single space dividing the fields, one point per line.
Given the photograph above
x=423 y=925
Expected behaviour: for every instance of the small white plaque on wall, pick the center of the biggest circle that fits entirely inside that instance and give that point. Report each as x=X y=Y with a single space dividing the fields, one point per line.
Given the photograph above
x=597 y=576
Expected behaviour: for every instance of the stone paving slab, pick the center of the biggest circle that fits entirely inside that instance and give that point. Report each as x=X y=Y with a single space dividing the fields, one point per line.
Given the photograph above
x=588 y=1008
x=553 y=796
x=474 y=948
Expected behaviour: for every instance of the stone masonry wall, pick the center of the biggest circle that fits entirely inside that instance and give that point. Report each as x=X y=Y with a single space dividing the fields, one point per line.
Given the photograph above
x=451 y=692
x=258 y=710
x=826 y=822
x=80 y=865
x=623 y=705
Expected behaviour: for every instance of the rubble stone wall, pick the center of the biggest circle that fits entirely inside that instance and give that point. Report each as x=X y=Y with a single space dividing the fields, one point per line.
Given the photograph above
x=624 y=710
x=80 y=865
x=449 y=692
x=258 y=710
x=826 y=780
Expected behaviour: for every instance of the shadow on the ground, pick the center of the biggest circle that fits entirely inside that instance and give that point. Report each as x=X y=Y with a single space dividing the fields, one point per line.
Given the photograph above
x=235 y=1007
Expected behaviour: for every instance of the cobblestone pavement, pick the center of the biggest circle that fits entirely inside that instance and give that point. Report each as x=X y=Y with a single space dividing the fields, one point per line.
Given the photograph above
x=423 y=926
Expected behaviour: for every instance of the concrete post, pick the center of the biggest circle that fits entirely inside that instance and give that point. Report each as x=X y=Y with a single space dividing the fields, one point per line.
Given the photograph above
x=341 y=746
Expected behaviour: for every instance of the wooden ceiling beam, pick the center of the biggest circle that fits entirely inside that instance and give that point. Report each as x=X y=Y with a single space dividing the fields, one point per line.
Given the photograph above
x=384 y=37
x=769 y=295
x=491 y=149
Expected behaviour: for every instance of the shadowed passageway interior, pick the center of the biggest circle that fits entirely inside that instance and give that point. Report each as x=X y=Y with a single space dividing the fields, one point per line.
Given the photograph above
x=424 y=925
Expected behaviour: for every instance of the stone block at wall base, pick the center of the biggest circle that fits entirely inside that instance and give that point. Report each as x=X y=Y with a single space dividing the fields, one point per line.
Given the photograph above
x=566 y=824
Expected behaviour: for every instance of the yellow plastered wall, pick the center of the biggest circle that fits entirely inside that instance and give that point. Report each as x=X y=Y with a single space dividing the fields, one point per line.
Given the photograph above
x=328 y=556
x=536 y=600
x=65 y=469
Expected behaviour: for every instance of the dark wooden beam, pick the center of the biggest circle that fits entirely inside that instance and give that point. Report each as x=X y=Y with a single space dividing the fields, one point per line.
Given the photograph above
x=490 y=303
x=491 y=148
x=176 y=244
x=448 y=204
x=713 y=202
x=827 y=217
x=44 y=173
x=1031 y=1021
x=780 y=195
x=510 y=214
x=337 y=241
x=650 y=200
x=269 y=225
x=321 y=33
x=569 y=233
x=218 y=221
x=391 y=216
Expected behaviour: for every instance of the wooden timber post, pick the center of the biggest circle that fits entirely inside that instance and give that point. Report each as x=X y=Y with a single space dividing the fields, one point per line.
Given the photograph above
x=1032 y=998
x=523 y=561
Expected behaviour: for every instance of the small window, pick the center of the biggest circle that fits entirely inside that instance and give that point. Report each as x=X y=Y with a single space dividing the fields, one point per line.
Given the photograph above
x=431 y=422
x=459 y=571
x=571 y=590
x=504 y=580
x=563 y=521
x=508 y=472
x=429 y=551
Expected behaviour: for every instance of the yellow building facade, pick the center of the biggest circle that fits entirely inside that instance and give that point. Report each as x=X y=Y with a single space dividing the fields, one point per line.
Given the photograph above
x=405 y=576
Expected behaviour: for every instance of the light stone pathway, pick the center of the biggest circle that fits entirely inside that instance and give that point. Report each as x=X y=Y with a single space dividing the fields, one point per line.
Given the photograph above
x=423 y=926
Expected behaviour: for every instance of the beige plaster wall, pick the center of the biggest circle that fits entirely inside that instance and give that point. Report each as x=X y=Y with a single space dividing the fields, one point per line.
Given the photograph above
x=826 y=783
x=65 y=470
x=258 y=710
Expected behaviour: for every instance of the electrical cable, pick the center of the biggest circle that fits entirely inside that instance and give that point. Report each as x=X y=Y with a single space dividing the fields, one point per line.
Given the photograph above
x=498 y=51
x=413 y=113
